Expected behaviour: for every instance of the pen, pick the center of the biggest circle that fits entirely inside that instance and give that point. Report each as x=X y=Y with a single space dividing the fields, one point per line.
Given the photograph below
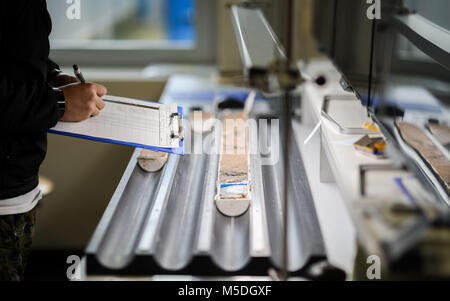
x=78 y=74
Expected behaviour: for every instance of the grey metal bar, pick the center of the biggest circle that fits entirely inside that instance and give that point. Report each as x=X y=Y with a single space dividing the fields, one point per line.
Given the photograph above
x=146 y=243
x=207 y=216
x=118 y=232
x=113 y=203
x=258 y=43
x=430 y=38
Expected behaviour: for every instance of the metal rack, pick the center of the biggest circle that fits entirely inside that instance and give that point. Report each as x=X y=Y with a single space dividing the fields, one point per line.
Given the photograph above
x=165 y=223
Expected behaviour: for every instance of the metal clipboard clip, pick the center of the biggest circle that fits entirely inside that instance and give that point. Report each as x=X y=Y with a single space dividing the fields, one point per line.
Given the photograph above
x=176 y=126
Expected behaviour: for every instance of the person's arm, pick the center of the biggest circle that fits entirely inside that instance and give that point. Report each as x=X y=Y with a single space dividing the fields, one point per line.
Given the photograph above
x=56 y=78
x=53 y=71
x=33 y=106
x=27 y=106
x=27 y=103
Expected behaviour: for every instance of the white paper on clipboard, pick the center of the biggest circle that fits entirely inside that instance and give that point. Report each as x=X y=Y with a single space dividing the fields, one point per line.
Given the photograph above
x=129 y=121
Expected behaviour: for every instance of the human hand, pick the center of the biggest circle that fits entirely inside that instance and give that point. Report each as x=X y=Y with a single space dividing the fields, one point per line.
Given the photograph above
x=83 y=101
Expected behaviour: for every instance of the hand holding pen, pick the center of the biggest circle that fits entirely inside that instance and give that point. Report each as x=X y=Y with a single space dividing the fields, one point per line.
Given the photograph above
x=83 y=100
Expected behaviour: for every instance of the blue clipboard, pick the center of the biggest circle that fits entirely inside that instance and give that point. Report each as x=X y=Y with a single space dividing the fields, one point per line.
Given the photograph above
x=177 y=150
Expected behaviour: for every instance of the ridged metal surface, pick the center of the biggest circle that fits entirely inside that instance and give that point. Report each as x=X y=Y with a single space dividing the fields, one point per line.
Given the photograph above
x=167 y=223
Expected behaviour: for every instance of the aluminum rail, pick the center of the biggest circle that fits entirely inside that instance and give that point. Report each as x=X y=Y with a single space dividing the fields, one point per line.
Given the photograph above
x=166 y=223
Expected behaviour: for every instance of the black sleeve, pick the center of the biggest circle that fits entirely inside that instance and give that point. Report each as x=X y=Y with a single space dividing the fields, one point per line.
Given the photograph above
x=51 y=65
x=27 y=103
x=26 y=106
x=52 y=70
